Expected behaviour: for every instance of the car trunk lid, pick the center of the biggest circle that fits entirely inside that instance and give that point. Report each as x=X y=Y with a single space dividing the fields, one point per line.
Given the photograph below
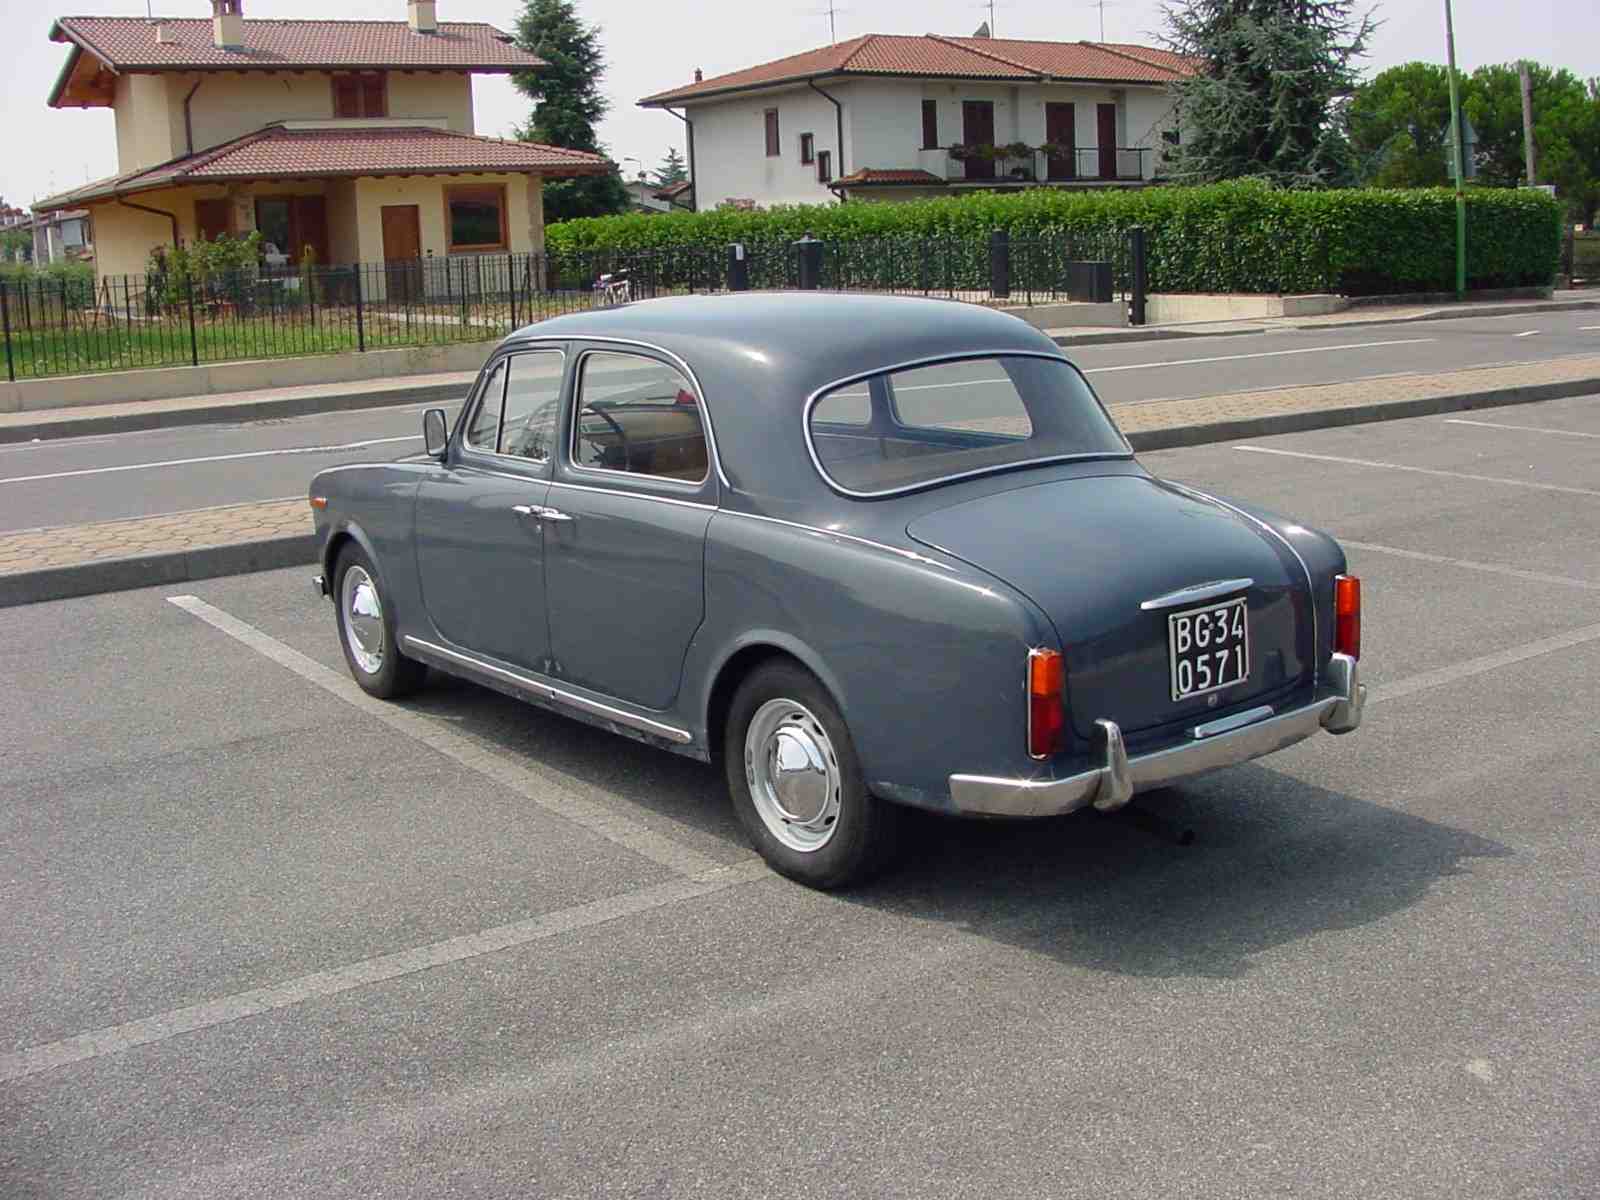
x=1090 y=551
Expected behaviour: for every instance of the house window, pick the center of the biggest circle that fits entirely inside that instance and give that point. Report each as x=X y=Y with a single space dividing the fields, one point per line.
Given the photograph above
x=808 y=147
x=1170 y=136
x=824 y=166
x=772 y=133
x=477 y=217
x=930 y=124
x=360 y=96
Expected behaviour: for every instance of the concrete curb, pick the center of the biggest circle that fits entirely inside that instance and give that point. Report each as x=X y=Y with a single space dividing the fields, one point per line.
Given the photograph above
x=222 y=414
x=180 y=566
x=123 y=574
x=1144 y=333
x=1445 y=314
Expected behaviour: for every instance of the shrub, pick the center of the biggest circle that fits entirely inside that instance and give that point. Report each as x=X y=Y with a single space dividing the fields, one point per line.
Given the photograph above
x=1230 y=237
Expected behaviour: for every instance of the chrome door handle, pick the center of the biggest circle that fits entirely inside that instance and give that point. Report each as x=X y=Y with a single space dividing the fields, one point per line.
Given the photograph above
x=540 y=513
x=524 y=510
x=554 y=515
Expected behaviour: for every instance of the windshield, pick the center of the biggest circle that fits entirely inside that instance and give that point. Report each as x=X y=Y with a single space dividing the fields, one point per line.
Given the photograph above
x=910 y=428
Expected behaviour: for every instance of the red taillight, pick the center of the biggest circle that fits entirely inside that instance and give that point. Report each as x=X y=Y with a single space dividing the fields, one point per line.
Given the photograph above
x=1047 y=705
x=1347 y=615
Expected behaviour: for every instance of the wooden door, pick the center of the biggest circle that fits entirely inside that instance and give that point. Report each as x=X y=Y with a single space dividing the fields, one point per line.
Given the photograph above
x=977 y=129
x=1106 y=136
x=309 y=220
x=1061 y=129
x=402 y=251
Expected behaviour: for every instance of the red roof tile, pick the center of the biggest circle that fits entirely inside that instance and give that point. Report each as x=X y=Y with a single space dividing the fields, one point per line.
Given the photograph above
x=278 y=152
x=129 y=43
x=869 y=176
x=945 y=57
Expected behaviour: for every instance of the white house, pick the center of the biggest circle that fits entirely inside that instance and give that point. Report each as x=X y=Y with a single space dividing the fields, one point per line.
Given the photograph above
x=889 y=116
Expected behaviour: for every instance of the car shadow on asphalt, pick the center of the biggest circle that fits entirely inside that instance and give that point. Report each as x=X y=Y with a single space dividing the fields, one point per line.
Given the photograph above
x=1275 y=860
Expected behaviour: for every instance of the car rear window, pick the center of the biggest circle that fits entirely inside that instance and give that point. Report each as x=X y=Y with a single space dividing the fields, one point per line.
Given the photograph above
x=910 y=428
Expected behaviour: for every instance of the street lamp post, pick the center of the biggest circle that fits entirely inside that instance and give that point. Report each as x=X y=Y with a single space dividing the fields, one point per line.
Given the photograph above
x=1457 y=156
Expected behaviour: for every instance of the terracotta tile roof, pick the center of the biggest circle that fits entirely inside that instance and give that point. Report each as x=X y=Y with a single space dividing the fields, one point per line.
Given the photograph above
x=129 y=43
x=673 y=190
x=280 y=152
x=870 y=176
x=947 y=57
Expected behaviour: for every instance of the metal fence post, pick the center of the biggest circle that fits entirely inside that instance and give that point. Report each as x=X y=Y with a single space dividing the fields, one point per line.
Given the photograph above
x=5 y=312
x=810 y=251
x=1569 y=248
x=194 y=338
x=1140 y=272
x=738 y=269
x=511 y=288
x=1000 y=265
x=361 y=326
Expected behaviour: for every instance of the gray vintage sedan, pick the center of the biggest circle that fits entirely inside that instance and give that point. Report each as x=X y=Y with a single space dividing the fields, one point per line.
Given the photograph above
x=866 y=552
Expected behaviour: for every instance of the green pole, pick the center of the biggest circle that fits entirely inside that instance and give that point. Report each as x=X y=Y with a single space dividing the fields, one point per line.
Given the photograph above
x=1458 y=156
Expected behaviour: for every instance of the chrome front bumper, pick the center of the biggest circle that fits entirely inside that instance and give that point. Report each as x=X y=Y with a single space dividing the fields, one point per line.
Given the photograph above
x=1113 y=783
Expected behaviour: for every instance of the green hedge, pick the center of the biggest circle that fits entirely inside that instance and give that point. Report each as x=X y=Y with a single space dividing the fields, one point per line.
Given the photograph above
x=1232 y=237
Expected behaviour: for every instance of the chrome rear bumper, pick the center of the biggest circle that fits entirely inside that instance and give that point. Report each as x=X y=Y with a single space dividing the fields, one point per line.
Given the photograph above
x=1112 y=784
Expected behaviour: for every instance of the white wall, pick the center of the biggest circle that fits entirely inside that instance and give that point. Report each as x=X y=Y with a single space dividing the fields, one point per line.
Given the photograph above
x=730 y=157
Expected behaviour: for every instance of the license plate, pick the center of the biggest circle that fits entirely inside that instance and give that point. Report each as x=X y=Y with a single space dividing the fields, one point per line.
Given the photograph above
x=1208 y=648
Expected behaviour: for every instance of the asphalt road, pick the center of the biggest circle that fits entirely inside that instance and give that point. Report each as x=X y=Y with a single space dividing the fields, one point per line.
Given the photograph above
x=262 y=938
x=76 y=480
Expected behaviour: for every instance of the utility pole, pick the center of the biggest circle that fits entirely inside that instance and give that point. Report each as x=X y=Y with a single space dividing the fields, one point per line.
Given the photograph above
x=1527 y=122
x=1459 y=156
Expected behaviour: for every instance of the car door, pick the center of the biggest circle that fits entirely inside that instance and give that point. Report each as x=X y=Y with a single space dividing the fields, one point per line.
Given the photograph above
x=635 y=489
x=480 y=529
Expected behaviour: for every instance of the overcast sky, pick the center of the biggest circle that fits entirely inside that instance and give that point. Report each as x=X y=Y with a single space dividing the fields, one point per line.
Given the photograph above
x=655 y=44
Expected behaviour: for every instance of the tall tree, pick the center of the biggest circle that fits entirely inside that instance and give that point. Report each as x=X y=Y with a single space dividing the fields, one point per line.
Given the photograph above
x=672 y=169
x=1566 y=131
x=1262 y=103
x=1399 y=127
x=568 y=104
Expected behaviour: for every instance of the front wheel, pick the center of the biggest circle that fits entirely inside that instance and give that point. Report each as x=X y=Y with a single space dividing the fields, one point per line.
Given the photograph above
x=366 y=630
x=795 y=783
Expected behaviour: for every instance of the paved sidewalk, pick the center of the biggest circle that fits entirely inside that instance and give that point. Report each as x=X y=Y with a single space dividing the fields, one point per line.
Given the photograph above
x=43 y=564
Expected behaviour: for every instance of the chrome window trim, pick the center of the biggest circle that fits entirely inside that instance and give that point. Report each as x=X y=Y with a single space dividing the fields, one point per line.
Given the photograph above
x=934 y=360
x=577 y=413
x=540 y=688
x=676 y=360
x=600 y=491
x=1311 y=585
x=474 y=401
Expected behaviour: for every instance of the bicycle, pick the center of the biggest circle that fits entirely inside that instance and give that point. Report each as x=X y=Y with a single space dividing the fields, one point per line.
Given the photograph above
x=614 y=287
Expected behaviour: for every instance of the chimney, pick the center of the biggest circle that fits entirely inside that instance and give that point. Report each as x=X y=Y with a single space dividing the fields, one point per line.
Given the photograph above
x=422 y=16
x=227 y=24
x=162 y=37
x=699 y=75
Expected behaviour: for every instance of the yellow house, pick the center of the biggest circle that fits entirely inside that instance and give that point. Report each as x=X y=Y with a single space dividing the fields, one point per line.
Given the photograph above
x=350 y=140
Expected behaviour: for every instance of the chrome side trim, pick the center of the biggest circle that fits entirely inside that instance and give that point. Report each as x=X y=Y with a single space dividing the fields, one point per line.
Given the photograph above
x=537 y=687
x=1109 y=785
x=711 y=433
x=1199 y=592
x=964 y=356
x=1311 y=585
x=1225 y=724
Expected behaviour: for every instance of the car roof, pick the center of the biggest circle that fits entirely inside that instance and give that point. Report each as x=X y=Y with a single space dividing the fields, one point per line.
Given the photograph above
x=758 y=356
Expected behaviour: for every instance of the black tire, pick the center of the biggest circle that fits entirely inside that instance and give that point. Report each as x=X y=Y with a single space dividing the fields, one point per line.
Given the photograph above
x=864 y=832
x=396 y=675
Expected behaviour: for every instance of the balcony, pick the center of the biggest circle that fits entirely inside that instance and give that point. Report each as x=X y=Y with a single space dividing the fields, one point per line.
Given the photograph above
x=1002 y=166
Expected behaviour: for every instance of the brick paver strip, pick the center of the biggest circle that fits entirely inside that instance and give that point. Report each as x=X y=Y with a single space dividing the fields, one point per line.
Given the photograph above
x=185 y=545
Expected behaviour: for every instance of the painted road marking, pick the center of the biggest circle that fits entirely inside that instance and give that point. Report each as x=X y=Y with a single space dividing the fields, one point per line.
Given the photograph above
x=189 y=462
x=1469 y=565
x=1388 y=466
x=548 y=789
x=1519 y=428
x=1477 y=666
x=226 y=1009
x=1526 y=333
x=1190 y=362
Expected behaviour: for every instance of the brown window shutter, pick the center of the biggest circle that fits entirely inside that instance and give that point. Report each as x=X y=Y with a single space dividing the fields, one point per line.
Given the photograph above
x=930 y=124
x=346 y=97
x=772 y=133
x=374 y=96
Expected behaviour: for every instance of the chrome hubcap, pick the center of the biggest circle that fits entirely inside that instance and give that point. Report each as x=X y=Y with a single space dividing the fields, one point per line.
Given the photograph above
x=363 y=620
x=793 y=774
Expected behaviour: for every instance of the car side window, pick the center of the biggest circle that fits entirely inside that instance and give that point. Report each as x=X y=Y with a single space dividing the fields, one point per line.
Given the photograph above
x=533 y=401
x=483 y=432
x=640 y=416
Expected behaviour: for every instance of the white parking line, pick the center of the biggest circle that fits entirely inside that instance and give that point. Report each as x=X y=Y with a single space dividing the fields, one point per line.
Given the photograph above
x=1190 y=362
x=189 y=462
x=1477 y=666
x=1469 y=565
x=1527 y=333
x=1388 y=466
x=548 y=789
x=1519 y=428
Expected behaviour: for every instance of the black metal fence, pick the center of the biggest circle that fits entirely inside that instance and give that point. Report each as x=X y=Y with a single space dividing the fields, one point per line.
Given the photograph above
x=58 y=327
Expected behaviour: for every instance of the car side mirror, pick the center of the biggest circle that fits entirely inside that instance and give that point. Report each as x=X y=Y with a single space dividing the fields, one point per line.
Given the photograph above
x=435 y=433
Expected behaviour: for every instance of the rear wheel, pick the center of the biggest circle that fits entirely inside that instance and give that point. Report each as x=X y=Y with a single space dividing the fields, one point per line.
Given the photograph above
x=366 y=630
x=796 y=785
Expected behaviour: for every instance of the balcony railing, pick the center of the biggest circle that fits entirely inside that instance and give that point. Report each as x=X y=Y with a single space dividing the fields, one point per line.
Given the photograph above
x=1081 y=164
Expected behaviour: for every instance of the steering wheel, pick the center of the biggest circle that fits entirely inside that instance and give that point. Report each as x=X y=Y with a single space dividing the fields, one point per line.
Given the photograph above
x=622 y=437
